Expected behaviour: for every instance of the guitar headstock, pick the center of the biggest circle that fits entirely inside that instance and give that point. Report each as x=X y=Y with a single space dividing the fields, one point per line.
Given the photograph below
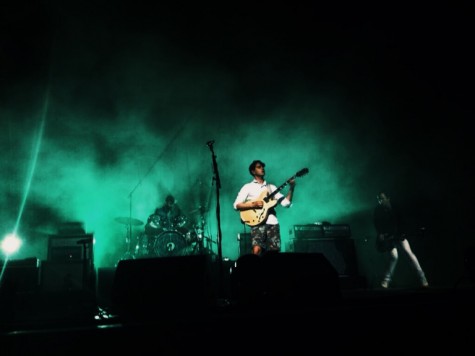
x=302 y=172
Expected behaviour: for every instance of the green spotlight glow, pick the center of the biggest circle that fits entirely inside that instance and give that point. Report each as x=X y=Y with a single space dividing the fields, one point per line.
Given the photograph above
x=33 y=166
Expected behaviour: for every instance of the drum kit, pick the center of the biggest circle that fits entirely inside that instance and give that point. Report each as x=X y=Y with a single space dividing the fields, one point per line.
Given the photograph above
x=163 y=237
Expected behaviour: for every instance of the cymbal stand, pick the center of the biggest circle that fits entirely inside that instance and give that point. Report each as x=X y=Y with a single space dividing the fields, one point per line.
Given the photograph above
x=199 y=247
x=129 y=252
x=205 y=243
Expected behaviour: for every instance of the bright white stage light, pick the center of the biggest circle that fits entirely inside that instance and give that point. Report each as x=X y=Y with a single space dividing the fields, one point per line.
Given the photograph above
x=10 y=244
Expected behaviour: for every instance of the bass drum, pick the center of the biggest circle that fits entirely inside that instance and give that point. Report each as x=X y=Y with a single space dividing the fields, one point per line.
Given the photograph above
x=170 y=243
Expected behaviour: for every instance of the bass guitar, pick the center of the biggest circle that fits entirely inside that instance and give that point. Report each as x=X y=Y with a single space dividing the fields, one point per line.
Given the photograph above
x=385 y=242
x=256 y=216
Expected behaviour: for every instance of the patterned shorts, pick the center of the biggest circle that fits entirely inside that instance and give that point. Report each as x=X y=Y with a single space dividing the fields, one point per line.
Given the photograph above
x=266 y=236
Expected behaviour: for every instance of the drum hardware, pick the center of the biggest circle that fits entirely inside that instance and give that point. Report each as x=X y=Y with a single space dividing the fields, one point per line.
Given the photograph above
x=130 y=251
x=142 y=248
x=202 y=242
x=128 y=222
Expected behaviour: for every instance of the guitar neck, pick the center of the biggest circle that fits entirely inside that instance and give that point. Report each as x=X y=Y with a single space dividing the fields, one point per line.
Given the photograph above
x=298 y=174
x=271 y=195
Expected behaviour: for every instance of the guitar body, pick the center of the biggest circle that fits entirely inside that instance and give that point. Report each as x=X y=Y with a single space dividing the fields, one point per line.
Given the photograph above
x=387 y=241
x=253 y=217
x=384 y=243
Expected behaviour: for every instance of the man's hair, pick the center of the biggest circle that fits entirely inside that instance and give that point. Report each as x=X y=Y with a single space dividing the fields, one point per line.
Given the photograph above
x=253 y=165
x=170 y=199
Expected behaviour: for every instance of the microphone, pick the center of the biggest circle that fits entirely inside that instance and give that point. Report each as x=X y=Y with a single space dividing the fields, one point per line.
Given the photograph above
x=209 y=143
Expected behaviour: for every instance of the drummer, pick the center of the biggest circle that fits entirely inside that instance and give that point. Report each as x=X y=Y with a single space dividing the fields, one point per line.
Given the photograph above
x=167 y=217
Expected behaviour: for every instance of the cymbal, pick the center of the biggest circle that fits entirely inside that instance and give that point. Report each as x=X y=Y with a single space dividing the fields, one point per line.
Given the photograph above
x=128 y=221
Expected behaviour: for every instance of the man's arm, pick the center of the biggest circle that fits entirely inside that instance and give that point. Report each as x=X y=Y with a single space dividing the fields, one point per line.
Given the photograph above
x=250 y=205
x=290 y=193
x=240 y=202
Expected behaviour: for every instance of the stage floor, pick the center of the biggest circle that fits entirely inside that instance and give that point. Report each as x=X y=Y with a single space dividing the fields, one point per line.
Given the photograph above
x=180 y=305
x=360 y=319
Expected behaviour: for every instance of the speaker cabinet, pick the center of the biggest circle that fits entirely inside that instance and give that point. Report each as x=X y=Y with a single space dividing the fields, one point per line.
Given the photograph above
x=20 y=276
x=67 y=276
x=154 y=287
x=340 y=252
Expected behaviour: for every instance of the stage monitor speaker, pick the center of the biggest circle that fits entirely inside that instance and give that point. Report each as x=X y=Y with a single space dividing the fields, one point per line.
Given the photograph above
x=163 y=286
x=469 y=261
x=20 y=276
x=340 y=252
x=290 y=280
x=71 y=276
x=19 y=284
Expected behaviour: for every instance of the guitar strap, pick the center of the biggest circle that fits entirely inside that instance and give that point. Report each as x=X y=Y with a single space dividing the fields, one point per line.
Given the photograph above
x=271 y=210
x=268 y=188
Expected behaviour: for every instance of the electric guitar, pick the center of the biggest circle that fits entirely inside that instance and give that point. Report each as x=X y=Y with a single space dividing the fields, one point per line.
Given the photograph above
x=256 y=216
x=385 y=242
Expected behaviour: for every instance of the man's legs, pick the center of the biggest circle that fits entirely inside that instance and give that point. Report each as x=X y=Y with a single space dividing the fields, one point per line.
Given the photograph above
x=393 y=258
x=414 y=262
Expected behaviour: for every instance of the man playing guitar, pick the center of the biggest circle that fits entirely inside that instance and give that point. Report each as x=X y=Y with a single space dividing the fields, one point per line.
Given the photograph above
x=250 y=201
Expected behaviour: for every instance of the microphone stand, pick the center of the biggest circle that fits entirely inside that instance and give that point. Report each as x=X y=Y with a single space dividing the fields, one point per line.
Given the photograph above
x=218 y=217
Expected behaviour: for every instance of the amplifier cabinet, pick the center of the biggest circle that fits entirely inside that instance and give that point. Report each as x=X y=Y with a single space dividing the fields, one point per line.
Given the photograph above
x=316 y=231
x=308 y=231
x=70 y=248
x=340 y=252
x=337 y=230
